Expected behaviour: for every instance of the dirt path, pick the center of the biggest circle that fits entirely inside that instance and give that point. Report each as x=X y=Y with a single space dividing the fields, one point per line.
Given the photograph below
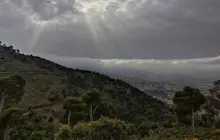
x=47 y=110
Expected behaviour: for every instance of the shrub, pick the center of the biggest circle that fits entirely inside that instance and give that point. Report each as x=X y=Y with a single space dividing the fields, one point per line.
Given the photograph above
x=102 y=129
x=144 y=127
x=38 y=135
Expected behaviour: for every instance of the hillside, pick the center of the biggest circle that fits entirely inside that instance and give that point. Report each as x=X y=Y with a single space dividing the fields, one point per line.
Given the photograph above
x=48 y=83
x=56 y=100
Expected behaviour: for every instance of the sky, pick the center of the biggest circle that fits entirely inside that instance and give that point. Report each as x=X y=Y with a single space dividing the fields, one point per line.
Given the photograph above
x=116 y=32
x=113 y=29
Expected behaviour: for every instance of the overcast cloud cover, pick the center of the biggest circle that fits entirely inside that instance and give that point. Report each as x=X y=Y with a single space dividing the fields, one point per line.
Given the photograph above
x=123 y=32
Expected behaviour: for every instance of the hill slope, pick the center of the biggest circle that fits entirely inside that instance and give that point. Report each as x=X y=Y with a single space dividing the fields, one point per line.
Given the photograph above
x=49 y=83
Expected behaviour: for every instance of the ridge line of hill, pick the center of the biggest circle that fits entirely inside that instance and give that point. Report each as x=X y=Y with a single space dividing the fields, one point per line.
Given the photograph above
x=46 y=81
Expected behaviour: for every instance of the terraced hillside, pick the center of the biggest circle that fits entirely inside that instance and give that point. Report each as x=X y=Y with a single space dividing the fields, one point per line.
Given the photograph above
x=49 y=83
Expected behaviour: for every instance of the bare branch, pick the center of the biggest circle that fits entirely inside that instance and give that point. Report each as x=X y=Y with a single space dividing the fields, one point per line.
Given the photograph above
x=69 y=115
x=95 y=110
x=3 y=94
x=6 y=95
x=6 y=133
x=158 y=130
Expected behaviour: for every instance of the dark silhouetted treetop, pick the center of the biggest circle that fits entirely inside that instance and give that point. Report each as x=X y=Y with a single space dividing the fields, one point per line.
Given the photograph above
x=217 y=82
x=188 y=99
x=75 y=110
x=94 y=99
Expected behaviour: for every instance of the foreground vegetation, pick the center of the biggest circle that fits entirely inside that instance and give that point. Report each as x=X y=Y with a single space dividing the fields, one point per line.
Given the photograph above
x=41 y=100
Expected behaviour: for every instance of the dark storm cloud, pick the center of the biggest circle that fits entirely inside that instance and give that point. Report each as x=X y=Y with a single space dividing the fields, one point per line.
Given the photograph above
x=15 y=28
x=186 y=69
x=122 y=29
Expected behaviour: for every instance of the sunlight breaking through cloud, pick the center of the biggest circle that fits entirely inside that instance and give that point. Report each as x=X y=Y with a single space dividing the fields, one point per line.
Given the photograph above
x=123 y=28
x=44 y=14
x=52 y=11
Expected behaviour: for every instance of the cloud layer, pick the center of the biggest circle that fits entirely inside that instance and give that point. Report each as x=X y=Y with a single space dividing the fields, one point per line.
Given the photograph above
x=113 y=29
x=205 y=69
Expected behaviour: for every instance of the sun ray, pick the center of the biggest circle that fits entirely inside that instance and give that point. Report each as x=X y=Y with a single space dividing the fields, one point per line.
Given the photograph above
x=36 y=36
x=102 y=17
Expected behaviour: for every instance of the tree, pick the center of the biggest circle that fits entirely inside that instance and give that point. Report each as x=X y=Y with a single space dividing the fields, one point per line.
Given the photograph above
x=7 y=121
x=75 y=109
x=188 y=99
x=11 y=90
x=217 y=83
x=94 y=99
x=215 y=91
x=17 y=126
x=213 y=105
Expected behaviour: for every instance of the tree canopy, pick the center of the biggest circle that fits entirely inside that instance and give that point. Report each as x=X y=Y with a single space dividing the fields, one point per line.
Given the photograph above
x=75 y=109
x=188 y=99
x=94 y=99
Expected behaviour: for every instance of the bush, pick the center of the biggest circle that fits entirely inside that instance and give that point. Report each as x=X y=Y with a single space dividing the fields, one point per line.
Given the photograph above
x=102 y=129
x=65 y=133
x=145 y=127
x=38 y=135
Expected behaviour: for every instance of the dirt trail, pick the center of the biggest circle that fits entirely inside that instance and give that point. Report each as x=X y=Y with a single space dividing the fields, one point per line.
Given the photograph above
x=47 y=110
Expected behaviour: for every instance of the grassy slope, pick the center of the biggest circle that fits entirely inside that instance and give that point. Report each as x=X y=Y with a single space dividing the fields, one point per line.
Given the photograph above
x=44 y=77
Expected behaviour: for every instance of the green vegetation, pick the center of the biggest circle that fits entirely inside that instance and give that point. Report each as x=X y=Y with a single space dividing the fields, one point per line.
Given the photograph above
x=187 y=100
x=41 y=100
x=38 y=135
x=94 y=100
x=102 y=129
x=11 y=89
x=75 y=110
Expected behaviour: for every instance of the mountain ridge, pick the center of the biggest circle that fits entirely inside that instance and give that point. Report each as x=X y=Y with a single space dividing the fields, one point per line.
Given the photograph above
x=51 y=80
